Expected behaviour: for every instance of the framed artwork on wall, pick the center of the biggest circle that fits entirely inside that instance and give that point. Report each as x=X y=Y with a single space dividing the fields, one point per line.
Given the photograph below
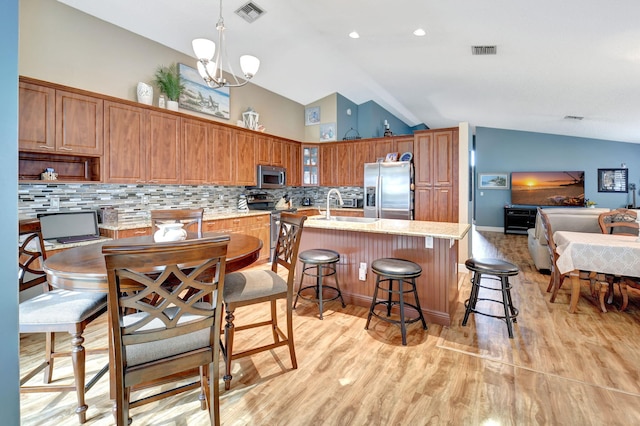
x=311 y=116
x=493 y=181
x=328 y=132
x=613 y=180
x=199 y=97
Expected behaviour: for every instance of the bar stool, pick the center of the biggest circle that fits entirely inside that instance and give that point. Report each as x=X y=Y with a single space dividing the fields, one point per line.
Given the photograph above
x=404 y=272
x=319 y=263
x=498 y=270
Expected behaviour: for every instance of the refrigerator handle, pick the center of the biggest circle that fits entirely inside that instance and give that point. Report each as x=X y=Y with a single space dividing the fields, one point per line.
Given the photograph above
x=379 y=198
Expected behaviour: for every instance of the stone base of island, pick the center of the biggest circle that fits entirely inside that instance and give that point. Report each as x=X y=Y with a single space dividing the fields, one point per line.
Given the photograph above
x=432 y=245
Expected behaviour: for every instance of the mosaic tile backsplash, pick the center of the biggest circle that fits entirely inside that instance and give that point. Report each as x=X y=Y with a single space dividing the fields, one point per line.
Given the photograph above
x=134 y=201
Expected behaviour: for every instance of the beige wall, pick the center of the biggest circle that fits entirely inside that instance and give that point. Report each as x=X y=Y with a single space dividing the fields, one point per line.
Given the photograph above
x=328 y=114
x=65 y=46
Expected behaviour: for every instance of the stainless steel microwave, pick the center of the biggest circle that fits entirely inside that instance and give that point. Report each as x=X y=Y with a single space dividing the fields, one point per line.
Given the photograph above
x=270 y=177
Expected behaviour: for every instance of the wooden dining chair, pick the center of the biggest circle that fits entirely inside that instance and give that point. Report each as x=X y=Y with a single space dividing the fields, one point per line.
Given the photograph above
x=619 y=222
x=55 y=311
x=177 y=334
x=251 y=287
x=191 y=218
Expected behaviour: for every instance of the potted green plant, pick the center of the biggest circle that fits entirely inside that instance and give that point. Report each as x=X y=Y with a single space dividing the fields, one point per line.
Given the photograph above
x=168 y=81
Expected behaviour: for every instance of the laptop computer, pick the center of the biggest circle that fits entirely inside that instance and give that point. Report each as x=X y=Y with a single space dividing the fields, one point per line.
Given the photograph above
x=70 y=227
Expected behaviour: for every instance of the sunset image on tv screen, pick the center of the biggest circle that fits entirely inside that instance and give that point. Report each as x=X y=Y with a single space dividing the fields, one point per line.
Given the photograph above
x=547 y=188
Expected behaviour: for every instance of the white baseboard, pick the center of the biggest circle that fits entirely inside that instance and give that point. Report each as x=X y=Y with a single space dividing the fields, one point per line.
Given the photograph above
x=490 y=228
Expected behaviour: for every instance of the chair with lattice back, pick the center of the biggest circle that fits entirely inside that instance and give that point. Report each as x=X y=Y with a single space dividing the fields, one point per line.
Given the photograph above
x=255 y=286
x=619 y=221
x=55 y=311
x=162 y=342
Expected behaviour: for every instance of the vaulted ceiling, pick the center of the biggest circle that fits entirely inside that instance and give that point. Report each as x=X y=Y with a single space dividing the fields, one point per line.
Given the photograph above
x=554 y=58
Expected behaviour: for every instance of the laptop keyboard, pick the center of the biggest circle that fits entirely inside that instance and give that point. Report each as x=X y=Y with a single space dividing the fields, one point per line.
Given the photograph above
x=77 y=238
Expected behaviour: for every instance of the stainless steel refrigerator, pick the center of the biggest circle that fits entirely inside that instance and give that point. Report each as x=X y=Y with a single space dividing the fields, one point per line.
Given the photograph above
x=387 y=190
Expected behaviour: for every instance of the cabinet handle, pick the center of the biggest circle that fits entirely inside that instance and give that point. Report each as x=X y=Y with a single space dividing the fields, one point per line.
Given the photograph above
x=141 y=181
x=140 y=232
x=152 y=181
x=46 y=147
x=64 y=148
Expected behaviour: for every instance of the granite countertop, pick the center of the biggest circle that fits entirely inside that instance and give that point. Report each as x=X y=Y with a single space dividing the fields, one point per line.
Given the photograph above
x=454 y=231
x=145 y=223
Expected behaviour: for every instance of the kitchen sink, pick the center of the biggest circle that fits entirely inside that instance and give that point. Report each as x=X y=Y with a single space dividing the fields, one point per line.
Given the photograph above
x=348 y=219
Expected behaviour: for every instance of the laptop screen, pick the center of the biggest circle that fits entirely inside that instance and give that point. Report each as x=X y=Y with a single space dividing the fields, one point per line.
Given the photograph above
x=69 y=224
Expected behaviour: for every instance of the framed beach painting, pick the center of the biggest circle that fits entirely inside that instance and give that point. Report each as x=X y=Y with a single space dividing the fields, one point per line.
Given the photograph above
x=493 y=181
x=199 y=97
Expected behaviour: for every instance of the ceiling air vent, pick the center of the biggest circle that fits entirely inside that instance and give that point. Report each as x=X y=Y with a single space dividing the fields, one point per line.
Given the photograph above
x=250 y=12
x=573 y=117
x=484 y=50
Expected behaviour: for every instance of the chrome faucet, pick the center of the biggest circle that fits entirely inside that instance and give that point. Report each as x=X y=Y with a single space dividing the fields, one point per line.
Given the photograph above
x=331 y=191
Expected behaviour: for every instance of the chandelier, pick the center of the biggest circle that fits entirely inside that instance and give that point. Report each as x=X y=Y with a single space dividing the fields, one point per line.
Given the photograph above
x=210 y=68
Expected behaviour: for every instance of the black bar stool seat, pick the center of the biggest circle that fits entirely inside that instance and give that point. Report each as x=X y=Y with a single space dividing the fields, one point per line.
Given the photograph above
x=319 y=263
x=404 y=273
x=497 y=270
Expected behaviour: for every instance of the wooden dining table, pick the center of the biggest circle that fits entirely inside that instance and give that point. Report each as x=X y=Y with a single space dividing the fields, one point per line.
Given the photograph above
x=83 y=268
x=602 y=253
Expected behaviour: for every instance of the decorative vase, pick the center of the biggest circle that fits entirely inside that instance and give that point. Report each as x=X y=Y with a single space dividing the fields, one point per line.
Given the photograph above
x=172 y=105
x=145 y=93
x=169 y=232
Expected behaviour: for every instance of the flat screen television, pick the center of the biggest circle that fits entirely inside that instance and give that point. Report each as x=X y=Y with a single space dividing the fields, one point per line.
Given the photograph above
x=548 y=188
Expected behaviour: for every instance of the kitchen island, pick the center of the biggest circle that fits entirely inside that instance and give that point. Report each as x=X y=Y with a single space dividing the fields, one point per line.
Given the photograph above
x=432 y=245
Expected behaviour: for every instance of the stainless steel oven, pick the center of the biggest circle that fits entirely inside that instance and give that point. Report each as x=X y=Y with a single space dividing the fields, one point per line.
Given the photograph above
x=262 y=201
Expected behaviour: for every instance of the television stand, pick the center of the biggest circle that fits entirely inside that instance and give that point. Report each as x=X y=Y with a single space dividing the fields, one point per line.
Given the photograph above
x=518 y=219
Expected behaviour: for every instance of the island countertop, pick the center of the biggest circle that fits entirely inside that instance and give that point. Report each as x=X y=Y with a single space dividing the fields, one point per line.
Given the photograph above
x=417 y=228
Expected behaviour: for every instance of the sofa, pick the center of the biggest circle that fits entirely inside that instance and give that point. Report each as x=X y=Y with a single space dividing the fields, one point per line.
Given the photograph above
x=575 y=219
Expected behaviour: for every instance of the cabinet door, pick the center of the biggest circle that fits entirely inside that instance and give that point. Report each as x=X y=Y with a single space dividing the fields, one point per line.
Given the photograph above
x=125 y=143
x=164 y=161
x=380 y=148
x=37 y=117
x=422 y=159
x=443 y=157
x=361 y=155
x=277 y=152
x=292 y=163
x=223 y=156
x=343 y=165
x=79 y=124
x=434 y=203
x=245 y=158
x=196 y=151
x=310 y=165
x=264 y=149
x=328 y=161
x=403 y=144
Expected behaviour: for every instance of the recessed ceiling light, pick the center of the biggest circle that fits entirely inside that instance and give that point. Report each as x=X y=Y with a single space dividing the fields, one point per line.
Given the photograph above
x=419 y=32
x=354 y=34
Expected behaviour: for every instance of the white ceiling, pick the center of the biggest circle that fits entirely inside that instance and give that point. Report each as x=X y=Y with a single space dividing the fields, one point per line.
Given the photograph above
x=555 y=58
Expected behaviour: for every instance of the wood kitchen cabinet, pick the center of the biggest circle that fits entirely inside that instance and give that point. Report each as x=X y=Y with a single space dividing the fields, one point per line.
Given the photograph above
x=58 y=121
x=164 y=160
x=291 y=155
x=328 y=163
x=222 y=155
x=125 y=139
x=197 y=151
x=436 y=175
x=256 y=226
x=245 y=158
x=361 y=155
x=126 y=233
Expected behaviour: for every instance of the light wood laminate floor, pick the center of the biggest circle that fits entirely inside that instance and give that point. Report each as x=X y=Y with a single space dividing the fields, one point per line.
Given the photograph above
x=560 y=369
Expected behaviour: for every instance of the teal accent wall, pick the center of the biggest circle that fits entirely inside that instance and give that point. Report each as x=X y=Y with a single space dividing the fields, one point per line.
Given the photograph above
x=506 y=151
x=9 y=349
x=371 y=118
x=346 y=121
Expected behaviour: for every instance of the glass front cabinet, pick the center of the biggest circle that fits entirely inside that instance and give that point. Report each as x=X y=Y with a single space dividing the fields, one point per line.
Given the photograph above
x=310 y=165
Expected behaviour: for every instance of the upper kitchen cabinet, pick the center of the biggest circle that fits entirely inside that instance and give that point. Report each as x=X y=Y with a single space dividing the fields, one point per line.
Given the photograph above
x=59 y=122
x=37 y=118
x=435 y=156
x=310 y=165
x=245 y=159
x=402 y=144
x=361 y=155
x=125 y=138
x=328 y=164
x=292 y=162
x=380 y=148
x=197 y=151
x=222 y=156
x=163 y=148
x=270 y=151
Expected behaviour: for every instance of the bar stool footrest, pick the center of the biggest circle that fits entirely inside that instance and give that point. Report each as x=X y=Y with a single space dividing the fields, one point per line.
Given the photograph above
x=500 y=302
x=392 y=321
